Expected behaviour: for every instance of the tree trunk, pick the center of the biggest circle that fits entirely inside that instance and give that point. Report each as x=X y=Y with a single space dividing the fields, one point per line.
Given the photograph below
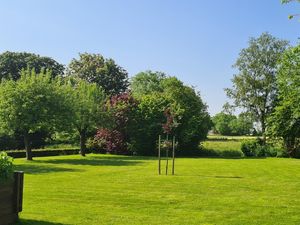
x=263 y=129
x=289 y=143
x=27 y=146
x=82 y=143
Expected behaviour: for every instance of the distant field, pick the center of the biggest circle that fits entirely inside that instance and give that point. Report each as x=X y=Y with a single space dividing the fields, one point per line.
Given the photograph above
x=105 y=189
x=223 y=146
x=222 y=137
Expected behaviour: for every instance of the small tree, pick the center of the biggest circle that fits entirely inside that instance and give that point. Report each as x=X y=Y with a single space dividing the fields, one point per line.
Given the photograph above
x=88 y=109
x=32 y=103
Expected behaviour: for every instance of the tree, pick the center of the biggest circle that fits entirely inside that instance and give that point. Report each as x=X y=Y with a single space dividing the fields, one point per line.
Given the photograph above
x=12 y=63
x=94 y=68
x=284 y=122
x=146 y=82
x=185 y=104
x=34 y=102
x=117 y=139
x=229 y=124
x=88 y=109
x=222 y=123
x=254 y=87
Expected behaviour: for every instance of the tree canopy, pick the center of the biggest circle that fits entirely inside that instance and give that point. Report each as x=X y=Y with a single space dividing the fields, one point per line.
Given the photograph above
x=254 y=87
x=34 y=102
x=12 y=63
x=88 y=106
x=94 y=68
x=284 y=122
x=184 y=103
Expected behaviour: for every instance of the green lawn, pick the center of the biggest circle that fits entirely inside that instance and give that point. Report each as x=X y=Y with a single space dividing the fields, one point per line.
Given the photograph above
x=104 y=189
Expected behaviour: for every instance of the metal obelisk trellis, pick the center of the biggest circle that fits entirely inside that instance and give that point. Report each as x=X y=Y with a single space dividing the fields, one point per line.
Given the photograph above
x=167 y=155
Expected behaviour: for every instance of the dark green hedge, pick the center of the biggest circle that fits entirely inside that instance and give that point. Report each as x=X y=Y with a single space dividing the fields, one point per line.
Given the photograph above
x=42 y=153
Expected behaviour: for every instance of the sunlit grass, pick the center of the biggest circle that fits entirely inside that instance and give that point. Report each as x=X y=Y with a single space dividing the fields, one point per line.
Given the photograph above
x=104 y=189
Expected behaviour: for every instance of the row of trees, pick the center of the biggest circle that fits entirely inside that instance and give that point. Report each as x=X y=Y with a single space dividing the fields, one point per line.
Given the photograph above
x=93 y=98
x=267 y=87
x=229 y=124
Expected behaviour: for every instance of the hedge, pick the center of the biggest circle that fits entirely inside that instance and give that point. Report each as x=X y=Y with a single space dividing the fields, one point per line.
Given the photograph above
x=43 y=152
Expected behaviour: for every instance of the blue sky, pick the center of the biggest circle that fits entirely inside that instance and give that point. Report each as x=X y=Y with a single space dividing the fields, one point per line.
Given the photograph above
x=196 y=40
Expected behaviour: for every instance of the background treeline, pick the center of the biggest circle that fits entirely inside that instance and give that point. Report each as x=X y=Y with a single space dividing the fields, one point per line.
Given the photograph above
x=92 y=103
x=267 y=87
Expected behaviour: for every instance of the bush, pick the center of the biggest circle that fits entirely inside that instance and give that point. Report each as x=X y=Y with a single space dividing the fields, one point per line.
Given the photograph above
x=256 y=148
x=6 y=167
x=112 y=141
x=95 y=146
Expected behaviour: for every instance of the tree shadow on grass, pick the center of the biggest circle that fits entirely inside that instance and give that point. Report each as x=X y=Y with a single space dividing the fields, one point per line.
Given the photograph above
x=36 y=222
x=39 y=169
x=217 y=176
x=94 y=161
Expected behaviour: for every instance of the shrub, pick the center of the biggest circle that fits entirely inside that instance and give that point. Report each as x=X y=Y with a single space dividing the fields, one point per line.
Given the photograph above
x=95 y=146
x=252 y=148
x=256 y=148
x=112 y=141
x=6 y=167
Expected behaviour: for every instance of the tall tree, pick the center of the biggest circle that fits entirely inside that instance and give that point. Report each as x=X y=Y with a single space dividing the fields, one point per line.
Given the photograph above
x=34 y=102
x=284 y=122
x=94 y=68
x=88 y=107
x=12 y=63
x=254 y=87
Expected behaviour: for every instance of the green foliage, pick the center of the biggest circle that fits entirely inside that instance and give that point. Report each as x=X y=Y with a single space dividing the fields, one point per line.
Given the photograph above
x=222 y=123
x=228 y=124
x=285 y=120
x=254 y=87
x=88 y=108
x=12 y=63
x=185 y=104
x=257 y=148
x=146 y=83
x=94 y=68
x=288 y=1
x=6 y=168
x=33 y=103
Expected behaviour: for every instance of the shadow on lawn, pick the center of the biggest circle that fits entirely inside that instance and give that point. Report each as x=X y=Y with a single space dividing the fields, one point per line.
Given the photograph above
x=95 y=161
x=38 y=169
x=36 y=222
x=217 y=176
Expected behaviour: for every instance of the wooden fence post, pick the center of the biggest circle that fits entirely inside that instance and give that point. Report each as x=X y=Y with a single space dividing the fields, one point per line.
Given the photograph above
x=173 y=156
x=167 y=154
x=159 y=165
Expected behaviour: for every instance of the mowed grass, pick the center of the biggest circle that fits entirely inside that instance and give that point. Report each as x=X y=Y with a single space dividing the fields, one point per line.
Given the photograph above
x=105 y=189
